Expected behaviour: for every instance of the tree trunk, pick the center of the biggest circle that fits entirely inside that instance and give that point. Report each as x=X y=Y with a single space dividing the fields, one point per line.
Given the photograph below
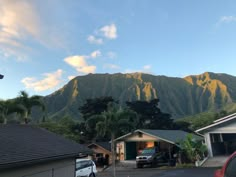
x=26 y=120
x=113 y=154
x=5 y=121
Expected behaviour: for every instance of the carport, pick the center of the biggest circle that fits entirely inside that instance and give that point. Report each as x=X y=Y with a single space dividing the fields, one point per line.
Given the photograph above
x=220 y=137
x=129 y=145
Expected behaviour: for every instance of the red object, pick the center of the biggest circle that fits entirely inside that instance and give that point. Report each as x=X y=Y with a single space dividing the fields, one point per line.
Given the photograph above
x=221 y=172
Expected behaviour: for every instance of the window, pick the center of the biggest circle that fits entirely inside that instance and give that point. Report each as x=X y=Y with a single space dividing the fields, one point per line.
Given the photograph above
x=231 y=170
x=83 y=164
x=140 y=135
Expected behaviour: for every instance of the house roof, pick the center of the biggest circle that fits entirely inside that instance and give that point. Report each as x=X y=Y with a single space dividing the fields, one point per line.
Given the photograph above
x=104 y=145
x=171 y=136
x=25 y=144
x=217 y=122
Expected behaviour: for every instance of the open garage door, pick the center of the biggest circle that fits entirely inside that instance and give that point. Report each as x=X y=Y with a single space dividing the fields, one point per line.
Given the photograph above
x=223 y=144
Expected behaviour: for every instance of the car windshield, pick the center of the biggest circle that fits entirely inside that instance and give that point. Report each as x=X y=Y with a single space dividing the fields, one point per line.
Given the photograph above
x=148 y=151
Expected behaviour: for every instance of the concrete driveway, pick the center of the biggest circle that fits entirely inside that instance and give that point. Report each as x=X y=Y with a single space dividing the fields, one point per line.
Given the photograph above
x=216 y=161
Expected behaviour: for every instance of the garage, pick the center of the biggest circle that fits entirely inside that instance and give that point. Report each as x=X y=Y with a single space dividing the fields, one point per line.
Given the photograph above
x=131 y=144
x=220 y=136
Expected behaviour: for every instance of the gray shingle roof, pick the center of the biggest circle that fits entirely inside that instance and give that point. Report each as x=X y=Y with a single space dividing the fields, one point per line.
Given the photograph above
x=104 y=145
x=23 y=144
x=173 y=136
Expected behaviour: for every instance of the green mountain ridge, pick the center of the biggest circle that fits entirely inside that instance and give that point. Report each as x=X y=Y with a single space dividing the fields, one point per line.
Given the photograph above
x=179 y=97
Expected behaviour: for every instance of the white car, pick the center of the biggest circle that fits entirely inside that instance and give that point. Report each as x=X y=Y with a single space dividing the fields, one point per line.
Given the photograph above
x=85 y=168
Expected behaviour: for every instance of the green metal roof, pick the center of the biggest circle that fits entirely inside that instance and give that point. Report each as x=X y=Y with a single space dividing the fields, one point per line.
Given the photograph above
x=172 y=136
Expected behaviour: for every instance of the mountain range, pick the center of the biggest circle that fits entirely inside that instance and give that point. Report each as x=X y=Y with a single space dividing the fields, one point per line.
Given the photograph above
x=179 y=97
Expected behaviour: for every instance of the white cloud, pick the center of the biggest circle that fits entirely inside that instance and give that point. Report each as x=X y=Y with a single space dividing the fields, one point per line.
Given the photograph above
x=71 y=77
x=22 y=24
x=50 y=81
x=111 y=66
x=93 y=40
x=109 y=31
x=227 y=19
x=147 y=67
x=95 y=54
x=18 y=21
x=79 y=63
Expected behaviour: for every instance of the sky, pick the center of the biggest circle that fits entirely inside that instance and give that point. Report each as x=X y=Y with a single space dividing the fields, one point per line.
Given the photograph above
x=45 y=44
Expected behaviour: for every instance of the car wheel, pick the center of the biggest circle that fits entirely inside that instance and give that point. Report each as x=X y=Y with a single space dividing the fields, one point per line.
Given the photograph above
x=139 y=166
x=92 y=175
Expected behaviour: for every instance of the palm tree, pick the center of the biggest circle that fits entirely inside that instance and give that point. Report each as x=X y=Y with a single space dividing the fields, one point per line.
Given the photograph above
x=8 y=107
x=28 y=103
x=112 y=122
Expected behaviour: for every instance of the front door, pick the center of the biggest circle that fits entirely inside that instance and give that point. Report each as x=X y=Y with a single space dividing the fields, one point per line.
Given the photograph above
x=131 y=150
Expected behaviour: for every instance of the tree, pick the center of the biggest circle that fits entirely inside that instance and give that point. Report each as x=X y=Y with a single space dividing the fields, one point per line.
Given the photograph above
x=8 y=107
x=66 y=127
x=150 y=115
x=192 y=148
x=95 y=106
x=28 y=103
x=90 y=111
x=111 y=122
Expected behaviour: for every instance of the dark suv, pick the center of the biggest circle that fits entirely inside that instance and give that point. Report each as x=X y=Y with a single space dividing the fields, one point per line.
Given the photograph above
x=150 y=156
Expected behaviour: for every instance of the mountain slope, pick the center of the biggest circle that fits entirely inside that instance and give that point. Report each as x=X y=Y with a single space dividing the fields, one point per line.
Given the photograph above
x=178 y=96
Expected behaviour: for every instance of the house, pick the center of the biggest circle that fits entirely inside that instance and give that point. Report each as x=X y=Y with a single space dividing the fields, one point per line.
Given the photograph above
x=220 y=136
x=29 y=151
x=129 y=145
x=102 y=152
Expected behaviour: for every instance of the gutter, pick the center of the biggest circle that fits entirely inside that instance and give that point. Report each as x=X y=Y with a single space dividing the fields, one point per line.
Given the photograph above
x=39 y=160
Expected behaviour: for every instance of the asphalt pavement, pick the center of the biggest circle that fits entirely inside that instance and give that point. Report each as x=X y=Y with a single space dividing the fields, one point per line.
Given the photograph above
x=154 y=172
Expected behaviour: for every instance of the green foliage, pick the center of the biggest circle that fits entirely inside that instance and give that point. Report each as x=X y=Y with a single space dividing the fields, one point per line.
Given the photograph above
x=29 y=102
x=201 y=120
x=118 y=121
x=150 y=115
x=115 y=121
x=66 y=127
x=95 y=106
x=8 y=107
x=193 y=149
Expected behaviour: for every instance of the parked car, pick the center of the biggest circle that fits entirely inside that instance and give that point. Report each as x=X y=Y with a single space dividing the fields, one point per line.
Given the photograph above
x=150 y=156
x=85 y=168
x=228 y=169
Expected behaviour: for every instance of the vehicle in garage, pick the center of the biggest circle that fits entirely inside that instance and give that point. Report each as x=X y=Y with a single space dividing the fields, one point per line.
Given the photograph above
x=150 y=156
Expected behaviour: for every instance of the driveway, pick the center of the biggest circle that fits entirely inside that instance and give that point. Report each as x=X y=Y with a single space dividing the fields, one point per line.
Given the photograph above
x=154 y=172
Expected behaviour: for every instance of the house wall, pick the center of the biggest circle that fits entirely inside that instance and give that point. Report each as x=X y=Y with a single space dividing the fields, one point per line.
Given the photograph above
x=143 y=137
x=142 y=141
x=98 y=150
x=120 y=150
x=59 y=168
x=224 y=128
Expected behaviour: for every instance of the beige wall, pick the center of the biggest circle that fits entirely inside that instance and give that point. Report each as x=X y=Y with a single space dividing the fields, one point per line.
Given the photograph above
x=144 y=137
x=59 y=168
x=142 y=142
x=120 y=150
x=98 y=150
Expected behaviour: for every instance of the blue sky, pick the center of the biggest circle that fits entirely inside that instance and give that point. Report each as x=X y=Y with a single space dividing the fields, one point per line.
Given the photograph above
x=43 y=44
